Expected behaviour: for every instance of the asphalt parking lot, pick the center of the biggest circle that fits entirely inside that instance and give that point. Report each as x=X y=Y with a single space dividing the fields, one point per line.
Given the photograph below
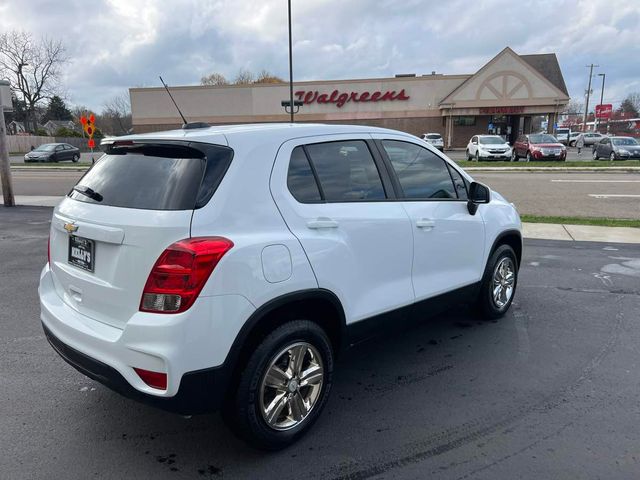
x=549 y=391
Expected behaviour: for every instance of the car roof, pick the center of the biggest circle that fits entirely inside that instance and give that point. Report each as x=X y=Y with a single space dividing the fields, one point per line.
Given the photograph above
x=221 y=134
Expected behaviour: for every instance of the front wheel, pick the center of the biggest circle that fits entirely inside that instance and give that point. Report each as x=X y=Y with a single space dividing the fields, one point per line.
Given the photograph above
x=499 y=283
x=477 y=156
x=612 y=157
x=284 y=386
x=514 y=155
x=76 y=157
x=595 y=155
x=528 y=156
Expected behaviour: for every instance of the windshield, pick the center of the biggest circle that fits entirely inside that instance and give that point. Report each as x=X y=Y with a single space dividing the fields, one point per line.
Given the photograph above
x=490 y=140
x=624 y=141
x=433 y=136
x=542 y=138
x=47 y=147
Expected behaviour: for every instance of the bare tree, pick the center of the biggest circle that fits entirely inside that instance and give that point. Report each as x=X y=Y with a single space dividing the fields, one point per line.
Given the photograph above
x=115 y=118
x=267 y=77
x=244 y=77
x=214 y=79
x=33 y=66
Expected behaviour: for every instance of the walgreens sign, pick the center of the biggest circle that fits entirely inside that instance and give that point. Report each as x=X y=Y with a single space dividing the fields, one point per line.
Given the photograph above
x=340 y=98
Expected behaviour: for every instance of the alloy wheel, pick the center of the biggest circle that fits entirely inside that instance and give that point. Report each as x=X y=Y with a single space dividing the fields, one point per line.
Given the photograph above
x=291 y=386
x=504 y=277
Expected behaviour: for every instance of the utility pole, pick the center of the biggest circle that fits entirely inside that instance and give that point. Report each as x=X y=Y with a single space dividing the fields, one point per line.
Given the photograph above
x=290 y=65
x=586 y=107
x=5 y=167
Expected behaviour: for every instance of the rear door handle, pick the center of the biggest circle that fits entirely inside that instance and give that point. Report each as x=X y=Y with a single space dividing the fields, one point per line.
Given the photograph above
x=322 y=222
x=425 y=223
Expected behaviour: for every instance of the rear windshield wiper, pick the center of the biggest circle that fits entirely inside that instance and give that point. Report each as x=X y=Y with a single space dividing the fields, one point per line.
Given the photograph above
x=89 y=192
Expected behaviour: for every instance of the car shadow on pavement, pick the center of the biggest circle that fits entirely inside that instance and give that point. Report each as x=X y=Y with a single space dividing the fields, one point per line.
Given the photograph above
x=407 y=362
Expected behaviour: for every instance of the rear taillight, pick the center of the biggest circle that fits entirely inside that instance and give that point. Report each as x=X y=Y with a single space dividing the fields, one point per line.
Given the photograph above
x=179 y=274
x=153 y=379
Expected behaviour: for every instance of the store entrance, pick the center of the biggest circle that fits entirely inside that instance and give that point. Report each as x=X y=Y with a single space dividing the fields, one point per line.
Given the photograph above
x=507 y=126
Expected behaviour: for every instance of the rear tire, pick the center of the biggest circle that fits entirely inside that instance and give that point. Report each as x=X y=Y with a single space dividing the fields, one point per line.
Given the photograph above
x=612 y=156
x=76 y=157
x=514 y=156
x=247 y=413
x=595 y=155
x=477 y=156
x=499 y=283
x=528 y=156
x=467 y=155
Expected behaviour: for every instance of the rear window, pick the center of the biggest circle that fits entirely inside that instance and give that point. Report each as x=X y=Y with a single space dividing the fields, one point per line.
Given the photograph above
x=154 y=177
x=433 y=136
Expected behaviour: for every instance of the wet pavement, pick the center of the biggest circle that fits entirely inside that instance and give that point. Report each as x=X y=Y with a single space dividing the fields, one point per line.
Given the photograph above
x=549 y=391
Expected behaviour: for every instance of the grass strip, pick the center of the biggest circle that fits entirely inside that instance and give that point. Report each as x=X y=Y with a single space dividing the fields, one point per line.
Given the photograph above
x=597 y=221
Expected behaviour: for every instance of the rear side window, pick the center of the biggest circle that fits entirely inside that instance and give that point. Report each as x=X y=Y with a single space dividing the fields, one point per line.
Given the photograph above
x=346 y=171
x=300 y=180
x=421 y=173
x=154 y=177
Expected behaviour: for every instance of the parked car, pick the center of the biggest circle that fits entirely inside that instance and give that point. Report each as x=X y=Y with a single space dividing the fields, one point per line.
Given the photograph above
x=538 y=146
x=563 y=135
x=53 y=152
x=590 y=138
x=226 y=267
x=488 y=147
x=617 y=148
x=434 y=139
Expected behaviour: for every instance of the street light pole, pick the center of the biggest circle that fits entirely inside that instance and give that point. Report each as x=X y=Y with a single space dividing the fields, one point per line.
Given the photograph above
x=603 y=75
x=586 y=107
x=290 y=64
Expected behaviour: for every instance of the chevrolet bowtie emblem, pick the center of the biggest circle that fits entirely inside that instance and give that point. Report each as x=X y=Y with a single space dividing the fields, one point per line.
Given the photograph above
x=70 y=227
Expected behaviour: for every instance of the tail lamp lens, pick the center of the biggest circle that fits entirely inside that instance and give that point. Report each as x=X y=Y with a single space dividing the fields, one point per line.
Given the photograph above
x=179 y=274
x=153 y=379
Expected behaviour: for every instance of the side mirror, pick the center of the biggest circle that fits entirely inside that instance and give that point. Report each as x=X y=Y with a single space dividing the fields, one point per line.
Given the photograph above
x=478 y=194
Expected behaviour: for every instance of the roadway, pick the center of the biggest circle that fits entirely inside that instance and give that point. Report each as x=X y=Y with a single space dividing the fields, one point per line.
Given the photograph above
x=612 y=195
x=549 y=391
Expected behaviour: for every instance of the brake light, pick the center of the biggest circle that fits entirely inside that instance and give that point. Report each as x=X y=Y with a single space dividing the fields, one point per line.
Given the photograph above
x=180 y=272
x=153 y=379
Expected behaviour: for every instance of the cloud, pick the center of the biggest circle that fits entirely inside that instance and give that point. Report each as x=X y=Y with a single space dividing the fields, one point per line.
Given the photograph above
x=117 y=44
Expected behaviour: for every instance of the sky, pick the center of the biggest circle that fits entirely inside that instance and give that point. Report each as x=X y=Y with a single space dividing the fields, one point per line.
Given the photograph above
x=117 y=44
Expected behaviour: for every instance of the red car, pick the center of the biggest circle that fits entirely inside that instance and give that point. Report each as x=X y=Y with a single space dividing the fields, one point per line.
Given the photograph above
x=538 y=146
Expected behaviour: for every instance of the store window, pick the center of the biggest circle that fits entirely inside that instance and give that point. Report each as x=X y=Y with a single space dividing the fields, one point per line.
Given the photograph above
x=464 y=121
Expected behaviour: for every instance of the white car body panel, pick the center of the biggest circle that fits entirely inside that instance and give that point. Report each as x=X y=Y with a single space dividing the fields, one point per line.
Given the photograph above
x=372 y=241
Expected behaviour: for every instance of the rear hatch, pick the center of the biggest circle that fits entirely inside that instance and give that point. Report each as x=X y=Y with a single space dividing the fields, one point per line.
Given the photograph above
x=132 y=204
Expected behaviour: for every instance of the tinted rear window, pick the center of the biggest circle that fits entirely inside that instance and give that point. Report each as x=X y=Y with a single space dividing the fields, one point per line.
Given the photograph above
x=154 y=177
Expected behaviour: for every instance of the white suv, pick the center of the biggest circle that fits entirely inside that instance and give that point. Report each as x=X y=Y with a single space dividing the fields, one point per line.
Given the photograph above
x=488 y=147
x=226 y=267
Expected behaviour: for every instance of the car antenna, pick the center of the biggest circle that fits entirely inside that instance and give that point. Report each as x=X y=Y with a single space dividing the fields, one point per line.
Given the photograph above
x=186 y=125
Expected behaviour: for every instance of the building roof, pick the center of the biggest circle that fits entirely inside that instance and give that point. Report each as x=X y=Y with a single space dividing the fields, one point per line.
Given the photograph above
x=547 y=64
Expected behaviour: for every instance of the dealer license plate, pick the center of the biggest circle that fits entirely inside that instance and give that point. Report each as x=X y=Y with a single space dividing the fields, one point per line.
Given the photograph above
x=81 y=253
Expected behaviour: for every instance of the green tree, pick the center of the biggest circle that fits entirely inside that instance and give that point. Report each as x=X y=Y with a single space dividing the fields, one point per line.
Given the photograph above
x=57 y=110
x=627 y=106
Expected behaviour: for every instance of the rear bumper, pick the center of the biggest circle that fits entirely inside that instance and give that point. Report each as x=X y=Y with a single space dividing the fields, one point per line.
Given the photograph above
x=191 y=348
x=199 y=392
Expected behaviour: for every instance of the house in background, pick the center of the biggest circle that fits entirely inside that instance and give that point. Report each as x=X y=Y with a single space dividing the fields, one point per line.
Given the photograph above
x=52 y=126
x=15 y=128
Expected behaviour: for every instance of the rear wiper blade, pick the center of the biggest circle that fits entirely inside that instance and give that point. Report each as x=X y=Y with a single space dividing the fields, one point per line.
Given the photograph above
x=89 y=192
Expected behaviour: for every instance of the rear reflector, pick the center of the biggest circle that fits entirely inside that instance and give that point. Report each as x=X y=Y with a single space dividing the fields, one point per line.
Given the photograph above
x=179 y=274
x=153 y=379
